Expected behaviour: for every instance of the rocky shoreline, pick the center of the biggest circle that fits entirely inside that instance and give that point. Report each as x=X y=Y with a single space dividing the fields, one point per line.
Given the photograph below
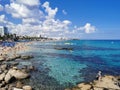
x=107 y=82
x=10 y=74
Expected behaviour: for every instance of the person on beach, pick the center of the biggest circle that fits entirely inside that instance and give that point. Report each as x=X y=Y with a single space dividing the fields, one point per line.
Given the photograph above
x=99 y=76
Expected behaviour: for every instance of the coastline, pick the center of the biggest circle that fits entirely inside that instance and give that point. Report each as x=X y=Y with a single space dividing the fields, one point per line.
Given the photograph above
x=108 y=82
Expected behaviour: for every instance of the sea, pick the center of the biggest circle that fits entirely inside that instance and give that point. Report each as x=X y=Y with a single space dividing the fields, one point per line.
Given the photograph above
x=64 y=64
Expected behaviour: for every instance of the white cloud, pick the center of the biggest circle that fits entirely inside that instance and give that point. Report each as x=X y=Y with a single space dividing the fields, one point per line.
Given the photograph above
x=1 y=7
x=51 y=12
x=32 y=21
x=88 y=28
x=3 y=20
x=20 y=9
x=28 y=2
x=64 y=12
x=67 y=22
x=17 y=10
x=2 y=17
x=36 y=21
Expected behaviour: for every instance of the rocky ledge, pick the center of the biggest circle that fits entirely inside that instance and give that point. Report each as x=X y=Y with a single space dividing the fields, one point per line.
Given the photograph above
x=107 y=82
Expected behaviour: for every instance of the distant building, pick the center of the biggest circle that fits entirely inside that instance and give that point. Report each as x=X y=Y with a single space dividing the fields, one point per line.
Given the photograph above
x=3 y=31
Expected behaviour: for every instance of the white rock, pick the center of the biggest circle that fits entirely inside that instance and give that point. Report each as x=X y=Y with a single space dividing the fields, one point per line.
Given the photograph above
x=27 y=87
x=7 y=77
x=18 y=74
x=2 y=76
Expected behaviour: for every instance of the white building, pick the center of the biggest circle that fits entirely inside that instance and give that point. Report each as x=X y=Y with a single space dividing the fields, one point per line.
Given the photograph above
x=3 y=30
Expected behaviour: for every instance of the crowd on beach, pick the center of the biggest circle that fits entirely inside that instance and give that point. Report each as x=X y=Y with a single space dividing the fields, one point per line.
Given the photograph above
x=13 y=49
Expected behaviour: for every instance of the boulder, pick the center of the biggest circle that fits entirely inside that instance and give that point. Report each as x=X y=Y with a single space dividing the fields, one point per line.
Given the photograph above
x=27 y=87
x=18 y=74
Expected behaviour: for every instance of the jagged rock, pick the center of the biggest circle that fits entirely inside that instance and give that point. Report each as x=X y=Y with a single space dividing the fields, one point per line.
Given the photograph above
x=13 y=57
x=27 y=87
x=2 y=76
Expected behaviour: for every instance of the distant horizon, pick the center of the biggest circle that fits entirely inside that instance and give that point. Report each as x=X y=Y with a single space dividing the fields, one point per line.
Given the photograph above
x=88 y=19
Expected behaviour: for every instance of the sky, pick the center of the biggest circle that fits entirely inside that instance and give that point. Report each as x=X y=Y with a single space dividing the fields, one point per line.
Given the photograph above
x=82 y=19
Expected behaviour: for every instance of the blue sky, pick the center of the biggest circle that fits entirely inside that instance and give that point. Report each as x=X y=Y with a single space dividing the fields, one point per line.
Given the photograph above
x=85 y=19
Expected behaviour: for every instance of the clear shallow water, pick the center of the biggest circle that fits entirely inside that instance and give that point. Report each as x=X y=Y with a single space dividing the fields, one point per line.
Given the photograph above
x=58 y=69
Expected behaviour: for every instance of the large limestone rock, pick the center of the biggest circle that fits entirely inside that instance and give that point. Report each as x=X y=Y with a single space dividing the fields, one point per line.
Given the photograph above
x=15 y=74
x=18 y=74
x=107 y=82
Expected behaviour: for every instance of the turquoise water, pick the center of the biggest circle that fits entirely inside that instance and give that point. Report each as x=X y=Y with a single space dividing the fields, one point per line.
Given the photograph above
x=58 y=69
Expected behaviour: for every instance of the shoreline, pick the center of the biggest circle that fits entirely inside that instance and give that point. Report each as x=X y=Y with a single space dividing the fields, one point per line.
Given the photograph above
x=107 y=82
x=10 y=74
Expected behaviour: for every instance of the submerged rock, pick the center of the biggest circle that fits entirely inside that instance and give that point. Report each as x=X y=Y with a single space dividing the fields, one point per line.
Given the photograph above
x=27 y=57
x=63 y=48
x=27 y=87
